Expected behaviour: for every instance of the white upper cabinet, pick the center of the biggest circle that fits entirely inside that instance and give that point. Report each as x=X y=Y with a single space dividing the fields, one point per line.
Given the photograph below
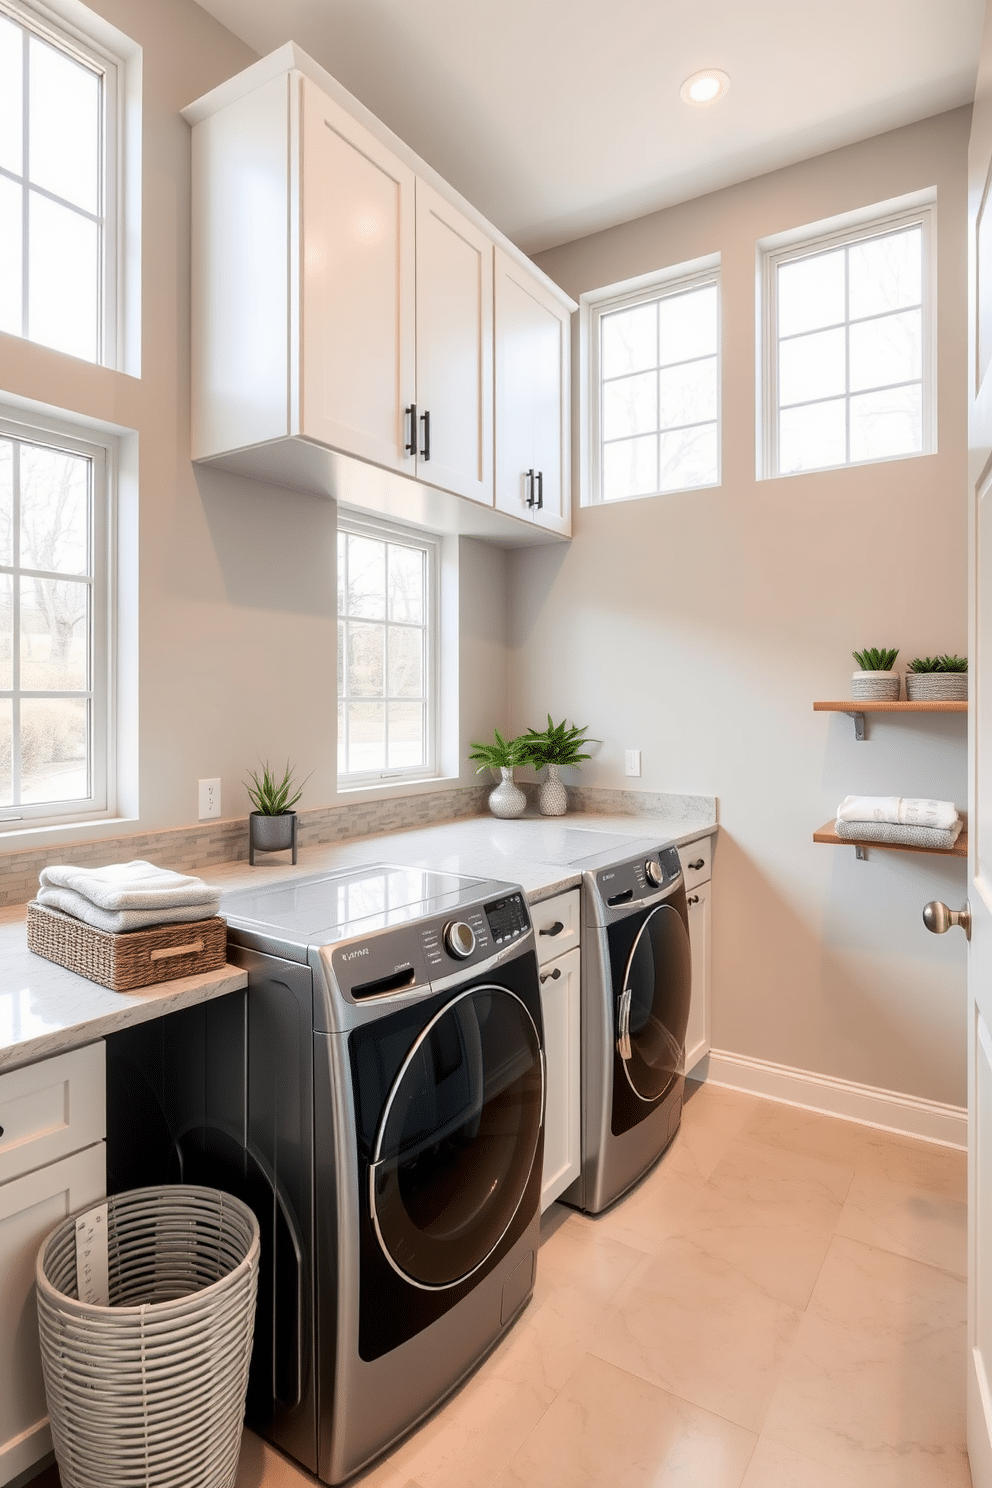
x=343 y=307
x=358 y=326
x=532 y=399
x=454 y=349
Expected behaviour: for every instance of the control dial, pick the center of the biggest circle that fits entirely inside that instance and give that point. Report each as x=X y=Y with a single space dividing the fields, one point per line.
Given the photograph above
x=653 y=873
x=459 y=939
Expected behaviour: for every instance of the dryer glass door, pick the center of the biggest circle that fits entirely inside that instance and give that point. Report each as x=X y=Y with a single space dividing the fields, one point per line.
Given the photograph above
x=654 y=1004
x=458 y=1138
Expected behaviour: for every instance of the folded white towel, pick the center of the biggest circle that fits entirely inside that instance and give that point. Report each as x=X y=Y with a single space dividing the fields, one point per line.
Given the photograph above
x=905 y=811
x=137 y=885
x=898 y=835
x=121 y=920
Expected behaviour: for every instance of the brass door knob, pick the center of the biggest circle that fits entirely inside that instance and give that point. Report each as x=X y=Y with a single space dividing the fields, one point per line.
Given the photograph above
x=938 y=918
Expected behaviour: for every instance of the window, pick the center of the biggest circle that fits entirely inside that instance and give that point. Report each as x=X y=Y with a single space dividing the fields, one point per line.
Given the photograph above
x=655 y=384
x=58 y=182
x=848 y=335
x=55 y=622
x=387 y=648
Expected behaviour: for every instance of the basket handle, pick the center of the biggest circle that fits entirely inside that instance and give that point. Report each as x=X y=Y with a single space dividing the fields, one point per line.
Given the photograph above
x=183 y=950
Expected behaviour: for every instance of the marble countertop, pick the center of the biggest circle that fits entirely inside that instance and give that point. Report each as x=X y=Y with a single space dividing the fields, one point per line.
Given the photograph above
x=45 y=1009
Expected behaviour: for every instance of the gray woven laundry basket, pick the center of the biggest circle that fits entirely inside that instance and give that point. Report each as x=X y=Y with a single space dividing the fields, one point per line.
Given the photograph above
x=150 y=1390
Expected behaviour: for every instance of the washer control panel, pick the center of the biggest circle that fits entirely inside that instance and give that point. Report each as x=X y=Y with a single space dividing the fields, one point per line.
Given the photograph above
x=508 y=918
x=638 y=878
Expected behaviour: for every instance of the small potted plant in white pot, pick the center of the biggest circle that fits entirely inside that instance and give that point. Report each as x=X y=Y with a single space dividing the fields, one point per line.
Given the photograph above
x=272 y=824
x=553 y=747
x=507 y=799
x=937 y=679
x=876 y=681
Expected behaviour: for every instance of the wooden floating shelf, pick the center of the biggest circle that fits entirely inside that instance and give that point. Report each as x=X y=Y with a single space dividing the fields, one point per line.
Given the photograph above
x=828 y=834
x=867 y=705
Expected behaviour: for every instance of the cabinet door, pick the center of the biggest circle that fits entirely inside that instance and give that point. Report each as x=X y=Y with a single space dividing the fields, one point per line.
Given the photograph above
x=560 y=1008
x=357 y=337
x=697 y=1034
x=532 y=379
x=454 y=349
x=29 y=1208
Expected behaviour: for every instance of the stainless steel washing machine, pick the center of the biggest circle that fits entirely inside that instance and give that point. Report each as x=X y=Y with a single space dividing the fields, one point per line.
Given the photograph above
x=410 y=1231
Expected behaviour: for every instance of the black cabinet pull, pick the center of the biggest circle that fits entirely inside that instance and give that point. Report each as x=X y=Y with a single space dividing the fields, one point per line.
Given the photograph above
x=554 y=929
x=692 y=899
x=1 y=1131
x=554 y=975
x=411 y=448
x=540 y=489
x=529 y=477
x=699 y=863
x=425 y=419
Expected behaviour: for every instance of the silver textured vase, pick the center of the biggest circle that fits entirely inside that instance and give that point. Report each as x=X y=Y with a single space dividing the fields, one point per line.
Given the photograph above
x=553 y=799
x=507 y=799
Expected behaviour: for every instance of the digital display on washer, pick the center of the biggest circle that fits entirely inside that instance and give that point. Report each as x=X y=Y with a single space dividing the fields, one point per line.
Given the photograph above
x=507 y=918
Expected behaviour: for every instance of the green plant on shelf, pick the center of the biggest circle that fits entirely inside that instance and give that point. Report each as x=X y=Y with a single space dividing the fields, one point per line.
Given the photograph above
x=938 y=664
x=556 y=745
x=502 y=754
x=876 y=658
x=272 y=797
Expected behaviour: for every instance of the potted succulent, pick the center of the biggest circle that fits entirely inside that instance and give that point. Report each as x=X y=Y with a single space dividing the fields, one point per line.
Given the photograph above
x=876 y=680
x=507 y=799
x=936 y=679
x=553 y=747
x=272 y=824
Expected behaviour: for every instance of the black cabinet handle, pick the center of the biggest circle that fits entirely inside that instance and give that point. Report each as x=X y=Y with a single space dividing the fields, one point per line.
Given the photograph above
x=554 y=975
x=699 y=863
x=411 y=448
x=529 y=477
x=692 y=899
x=540 y=489
x=425 y=419
x=1 y=1131
x=554 y=929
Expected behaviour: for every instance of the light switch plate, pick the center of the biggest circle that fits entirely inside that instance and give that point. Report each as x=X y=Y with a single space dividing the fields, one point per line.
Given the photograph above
x=632 y=762
x=209 y=799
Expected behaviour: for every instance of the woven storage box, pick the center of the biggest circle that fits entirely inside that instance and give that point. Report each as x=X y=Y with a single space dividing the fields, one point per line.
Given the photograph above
x=150 y=1390
x=136 y=958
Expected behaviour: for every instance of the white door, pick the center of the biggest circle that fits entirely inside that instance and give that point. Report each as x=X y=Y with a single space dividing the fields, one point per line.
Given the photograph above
x=357 y=338
x=454 y=350
x=980 y=787
x=532 y=357
x=560 y=1010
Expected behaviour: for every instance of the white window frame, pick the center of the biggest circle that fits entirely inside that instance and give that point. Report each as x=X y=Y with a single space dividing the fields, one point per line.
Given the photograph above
x=919 y=209
x=364 y=525
x=593 y=305
x=66 y=25
x=102 y=450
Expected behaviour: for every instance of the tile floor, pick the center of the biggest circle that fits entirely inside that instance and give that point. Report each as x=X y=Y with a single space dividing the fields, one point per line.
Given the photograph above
x=781 y=1302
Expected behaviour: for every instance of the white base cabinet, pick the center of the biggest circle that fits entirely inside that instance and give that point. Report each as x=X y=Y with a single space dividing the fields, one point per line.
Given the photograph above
x=697 y=859
x=556 y=930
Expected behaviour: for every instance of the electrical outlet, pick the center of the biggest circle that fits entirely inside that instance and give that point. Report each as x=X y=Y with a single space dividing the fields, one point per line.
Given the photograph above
x=632 y=762
x=209 y=799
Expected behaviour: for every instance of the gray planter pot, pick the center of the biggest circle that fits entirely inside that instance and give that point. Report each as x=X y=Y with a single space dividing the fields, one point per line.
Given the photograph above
x=937 y=687
x=271 y=833
x=876 y=687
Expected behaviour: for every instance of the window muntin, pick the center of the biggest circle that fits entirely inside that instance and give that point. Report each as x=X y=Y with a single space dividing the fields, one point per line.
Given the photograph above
x=657 y=394
x=849 y=338
x=54 y=626
x=386 y=654
x=57 y=185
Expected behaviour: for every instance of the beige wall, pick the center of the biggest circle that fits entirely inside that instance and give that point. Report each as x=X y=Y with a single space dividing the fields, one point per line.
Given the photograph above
x=700 y=627
x=235 y=581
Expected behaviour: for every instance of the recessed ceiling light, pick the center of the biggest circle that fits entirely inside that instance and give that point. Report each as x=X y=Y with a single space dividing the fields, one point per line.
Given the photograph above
x=705 y=87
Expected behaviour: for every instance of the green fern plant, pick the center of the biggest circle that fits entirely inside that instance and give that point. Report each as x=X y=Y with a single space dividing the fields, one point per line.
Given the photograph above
x=272 y=797
x=556 y=745
x=502 y=754
x=938 y=664
x=876 y=659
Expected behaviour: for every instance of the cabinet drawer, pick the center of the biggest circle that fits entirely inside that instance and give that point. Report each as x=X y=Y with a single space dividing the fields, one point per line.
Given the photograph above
x=697 y=861
x=556 y=925
x=52 y=1108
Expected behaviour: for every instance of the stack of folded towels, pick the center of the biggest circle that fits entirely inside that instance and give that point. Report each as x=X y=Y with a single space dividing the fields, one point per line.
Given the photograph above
x=127 y=896
x=908 y=820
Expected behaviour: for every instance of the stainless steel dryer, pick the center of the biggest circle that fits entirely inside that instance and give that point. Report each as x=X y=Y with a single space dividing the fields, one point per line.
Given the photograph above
x=416 y=994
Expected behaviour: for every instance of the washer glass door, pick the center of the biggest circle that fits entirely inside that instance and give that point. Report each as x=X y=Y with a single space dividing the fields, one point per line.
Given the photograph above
x=654 y=1005
x=458 y=1137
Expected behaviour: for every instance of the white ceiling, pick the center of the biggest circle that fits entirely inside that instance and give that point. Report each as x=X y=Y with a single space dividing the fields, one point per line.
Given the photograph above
x=559 y=117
